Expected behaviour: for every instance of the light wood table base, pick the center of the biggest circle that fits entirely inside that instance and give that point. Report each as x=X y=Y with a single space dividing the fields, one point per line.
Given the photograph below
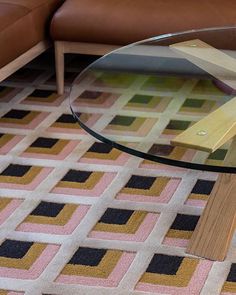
x=215 y=229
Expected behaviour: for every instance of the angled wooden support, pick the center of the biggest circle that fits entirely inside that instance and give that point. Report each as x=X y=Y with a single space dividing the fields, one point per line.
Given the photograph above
x=214 y=130
x=215 y=228
x=213 y=234
x=23 y=59
x=214 y=61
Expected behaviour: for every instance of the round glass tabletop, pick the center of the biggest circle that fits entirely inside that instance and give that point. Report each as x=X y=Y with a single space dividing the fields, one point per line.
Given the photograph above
x=170 y=99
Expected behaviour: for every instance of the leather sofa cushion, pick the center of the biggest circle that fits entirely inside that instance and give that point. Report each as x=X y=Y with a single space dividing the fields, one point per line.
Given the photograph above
x=23 y=23
x=127 y=21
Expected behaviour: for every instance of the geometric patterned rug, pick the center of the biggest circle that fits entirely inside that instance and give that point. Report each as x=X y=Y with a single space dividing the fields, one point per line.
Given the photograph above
x=79 y=217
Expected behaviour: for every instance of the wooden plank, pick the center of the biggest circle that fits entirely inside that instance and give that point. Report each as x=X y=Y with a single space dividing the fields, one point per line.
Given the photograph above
x=214 y=231
x=88 y=48
x=210 y=59
x=212 y=131
x=22 y=60
x=216 y=226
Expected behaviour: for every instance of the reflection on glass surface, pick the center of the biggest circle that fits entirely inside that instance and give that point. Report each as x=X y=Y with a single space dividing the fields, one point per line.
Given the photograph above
x=140 y=97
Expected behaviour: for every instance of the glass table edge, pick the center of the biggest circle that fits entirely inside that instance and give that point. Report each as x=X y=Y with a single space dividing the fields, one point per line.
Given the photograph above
x=143 y=155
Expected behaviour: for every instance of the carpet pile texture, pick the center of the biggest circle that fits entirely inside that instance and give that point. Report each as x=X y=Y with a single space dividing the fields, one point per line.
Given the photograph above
x=78 y=217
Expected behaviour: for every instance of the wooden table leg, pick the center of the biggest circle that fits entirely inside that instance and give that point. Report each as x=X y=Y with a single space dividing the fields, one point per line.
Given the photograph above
x=215 y=229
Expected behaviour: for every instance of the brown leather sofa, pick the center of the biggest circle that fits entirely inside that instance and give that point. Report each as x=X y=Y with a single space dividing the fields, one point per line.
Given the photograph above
x=24 y=31
x=98 y=26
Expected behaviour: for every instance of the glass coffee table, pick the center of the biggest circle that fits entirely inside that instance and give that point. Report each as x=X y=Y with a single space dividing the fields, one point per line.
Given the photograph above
x=172 y=99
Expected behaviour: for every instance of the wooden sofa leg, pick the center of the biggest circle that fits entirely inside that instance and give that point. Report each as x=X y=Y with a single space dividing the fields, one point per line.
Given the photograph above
x=60 y=67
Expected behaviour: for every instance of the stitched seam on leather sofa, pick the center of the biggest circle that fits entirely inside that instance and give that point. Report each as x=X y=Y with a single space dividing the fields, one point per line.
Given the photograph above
x=14 y=22
x=27 y=13
x=47 y=2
